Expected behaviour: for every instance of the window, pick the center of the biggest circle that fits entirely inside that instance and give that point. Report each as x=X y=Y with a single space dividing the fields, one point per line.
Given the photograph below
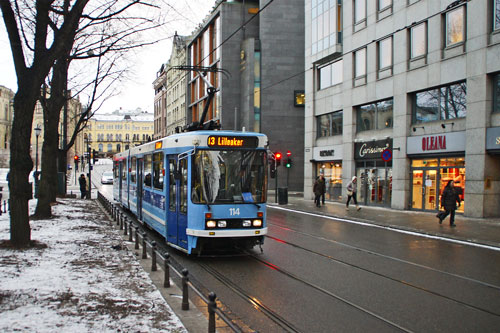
x=331 y=74
x=133 y=166
x=418 y=35
x=384 y=4
x=329 y=124
x=158 y=171
x=299 y=98
x=326 y=24
x=496 y=14
x=110 y=147
x=496 y=93
x=359 y=11
x=360 y=63
x=385 y=53
x=447 y=102
x=147 y=170
x=455 y=28
x=374 y=116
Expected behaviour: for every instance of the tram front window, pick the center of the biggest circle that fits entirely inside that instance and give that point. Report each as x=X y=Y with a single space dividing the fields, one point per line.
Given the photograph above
x=222 y=176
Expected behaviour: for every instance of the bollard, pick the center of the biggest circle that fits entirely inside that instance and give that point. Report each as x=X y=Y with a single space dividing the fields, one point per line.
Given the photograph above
x=125 y=221
x=137 y=238
x=120 y=217
x=166 y=280
x=144 y=252
x=113 y=212
x=153 y=257
x=212 y=305
x=185 y=299
x=130 y=239
x=4 y=206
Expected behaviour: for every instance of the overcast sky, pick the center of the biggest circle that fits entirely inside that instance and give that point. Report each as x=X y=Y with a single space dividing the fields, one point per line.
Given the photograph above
x=138 y=91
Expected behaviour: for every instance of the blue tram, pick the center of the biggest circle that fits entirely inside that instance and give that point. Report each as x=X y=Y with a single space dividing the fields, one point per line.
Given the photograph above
x=200 y=190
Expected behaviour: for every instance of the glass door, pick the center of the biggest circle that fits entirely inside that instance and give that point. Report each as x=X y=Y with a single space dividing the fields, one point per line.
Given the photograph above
x=430 y=190
x=424 y=190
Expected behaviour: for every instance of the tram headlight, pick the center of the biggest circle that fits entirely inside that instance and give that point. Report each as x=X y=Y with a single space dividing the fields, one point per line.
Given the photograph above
x=257 y=223
x=246 y=223
x=211 y=224
x=221 y=224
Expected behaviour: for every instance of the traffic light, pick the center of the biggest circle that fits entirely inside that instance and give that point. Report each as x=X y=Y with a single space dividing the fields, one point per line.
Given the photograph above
x=277 y=157
x=288 y=163
x=94 y=156
x=272 y=169
x=76 y=158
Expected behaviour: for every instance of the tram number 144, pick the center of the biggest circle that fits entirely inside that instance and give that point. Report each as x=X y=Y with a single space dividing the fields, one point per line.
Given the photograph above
x=234 y=211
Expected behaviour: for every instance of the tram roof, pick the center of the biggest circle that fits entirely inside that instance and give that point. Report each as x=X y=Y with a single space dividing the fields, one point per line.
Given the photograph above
x=189 y=139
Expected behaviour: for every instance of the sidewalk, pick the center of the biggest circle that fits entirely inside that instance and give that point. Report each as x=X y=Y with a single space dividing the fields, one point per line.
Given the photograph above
x=475 y=230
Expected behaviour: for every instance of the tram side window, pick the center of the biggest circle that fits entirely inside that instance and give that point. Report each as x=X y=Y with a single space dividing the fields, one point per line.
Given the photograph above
x=133 y=166
x=124 y=169
x=147 y=170
x=116 y=170
x=171 y=186
x=158 y=171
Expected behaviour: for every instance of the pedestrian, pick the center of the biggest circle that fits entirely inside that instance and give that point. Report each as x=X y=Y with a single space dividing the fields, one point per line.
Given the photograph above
x=83 y=185
x=352 y=188
x=449 y=200
x=322 y=188
x=317 y=192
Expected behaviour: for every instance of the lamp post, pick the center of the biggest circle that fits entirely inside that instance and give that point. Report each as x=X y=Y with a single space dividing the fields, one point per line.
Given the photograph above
x=38 y=130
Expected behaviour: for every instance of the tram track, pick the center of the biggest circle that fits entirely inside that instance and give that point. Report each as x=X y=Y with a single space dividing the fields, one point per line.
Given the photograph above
x=406 y=283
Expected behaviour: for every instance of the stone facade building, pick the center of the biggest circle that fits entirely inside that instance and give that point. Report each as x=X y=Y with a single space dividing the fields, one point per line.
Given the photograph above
x=6 y=117
x=404 y=94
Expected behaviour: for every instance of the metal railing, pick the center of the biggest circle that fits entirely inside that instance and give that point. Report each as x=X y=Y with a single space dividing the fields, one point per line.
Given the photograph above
x=125 y=224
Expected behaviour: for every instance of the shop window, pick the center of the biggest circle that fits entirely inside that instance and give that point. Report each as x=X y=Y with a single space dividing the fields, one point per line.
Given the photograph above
x=496 y=92
x=447 y=102
x=455 y=26
x=375 y=116
x=329 y=124
x=332 y=171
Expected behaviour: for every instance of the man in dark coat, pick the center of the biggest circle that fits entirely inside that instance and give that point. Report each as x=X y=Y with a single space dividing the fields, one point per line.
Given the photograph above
x=317 y=191
x=322 y=188
x=83 y=185
x=449 y=200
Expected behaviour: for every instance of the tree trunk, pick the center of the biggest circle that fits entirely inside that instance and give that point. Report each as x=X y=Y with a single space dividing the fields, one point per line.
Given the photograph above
x=20 y=167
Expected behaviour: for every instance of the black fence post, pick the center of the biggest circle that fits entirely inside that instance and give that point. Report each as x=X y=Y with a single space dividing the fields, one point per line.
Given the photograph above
x=136 y=237
x=153 y=257
x=212 y=305
x=144 y=244
x=130 y=239
x=166 y=280
x=120 y=215
x=185 y=296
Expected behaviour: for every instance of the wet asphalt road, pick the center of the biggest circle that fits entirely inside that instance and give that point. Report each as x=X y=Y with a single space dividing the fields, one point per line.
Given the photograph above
x=319 y=274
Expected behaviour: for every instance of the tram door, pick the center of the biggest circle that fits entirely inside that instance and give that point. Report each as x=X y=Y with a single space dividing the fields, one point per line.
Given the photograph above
x=177 y=207
x=140 y=173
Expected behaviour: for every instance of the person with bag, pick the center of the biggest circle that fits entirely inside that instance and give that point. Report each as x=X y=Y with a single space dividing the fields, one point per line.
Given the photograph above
x=322 y=188
x=83 y=185
x=449 y=200
x=352 y=188
x=317 y=191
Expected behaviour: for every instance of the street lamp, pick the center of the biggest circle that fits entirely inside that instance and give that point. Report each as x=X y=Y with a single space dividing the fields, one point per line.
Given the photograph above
x=38 y=131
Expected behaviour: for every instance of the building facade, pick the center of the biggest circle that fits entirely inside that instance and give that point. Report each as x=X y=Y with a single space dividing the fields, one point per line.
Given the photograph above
x=112 y=133
x=260 y=74
x=6 y=117
x=404 y=95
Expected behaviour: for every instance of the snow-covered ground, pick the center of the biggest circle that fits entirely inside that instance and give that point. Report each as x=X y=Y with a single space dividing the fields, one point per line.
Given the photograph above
x=80 y=277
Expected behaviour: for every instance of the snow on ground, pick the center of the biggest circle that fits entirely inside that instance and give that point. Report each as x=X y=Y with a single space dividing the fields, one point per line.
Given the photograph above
x=79 y=278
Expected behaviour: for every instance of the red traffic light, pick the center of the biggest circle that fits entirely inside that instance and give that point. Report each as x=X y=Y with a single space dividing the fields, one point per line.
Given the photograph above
x=277 y=156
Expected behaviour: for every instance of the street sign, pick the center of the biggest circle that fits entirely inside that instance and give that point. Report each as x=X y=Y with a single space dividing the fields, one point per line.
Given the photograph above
x=386 y=155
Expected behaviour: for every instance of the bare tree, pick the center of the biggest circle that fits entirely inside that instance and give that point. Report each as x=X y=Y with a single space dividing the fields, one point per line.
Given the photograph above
x=105 y=38
x=41 y=33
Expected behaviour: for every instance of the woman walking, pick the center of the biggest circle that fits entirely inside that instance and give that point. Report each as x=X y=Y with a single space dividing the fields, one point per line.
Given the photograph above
x=449 y=200
x=351 y=193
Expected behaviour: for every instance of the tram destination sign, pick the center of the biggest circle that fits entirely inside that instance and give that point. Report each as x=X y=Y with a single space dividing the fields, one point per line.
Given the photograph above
x=232 y=141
